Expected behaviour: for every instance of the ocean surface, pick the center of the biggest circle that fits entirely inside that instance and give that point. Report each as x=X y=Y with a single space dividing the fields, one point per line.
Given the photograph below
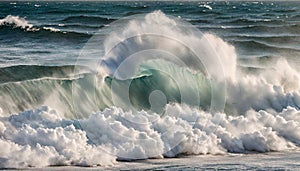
x=100 y=83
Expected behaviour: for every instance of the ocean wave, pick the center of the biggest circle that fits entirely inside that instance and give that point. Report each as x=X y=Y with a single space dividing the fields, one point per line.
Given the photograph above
x=262 y=59
x=86 y=128
x=29 y=72
x=263 y=35
x=254 y=21
x=282 y=10
x=69 y=11
x=206 y=6
x=10 y=24
x=45 y=31
x=87 y=19
x=199 y=21
x=205 y=11
x=51 y=29
x=79 y=26
x=132 y=13
x=291 y=28
x=286 y=26
x=256 y=44
x=17 y=21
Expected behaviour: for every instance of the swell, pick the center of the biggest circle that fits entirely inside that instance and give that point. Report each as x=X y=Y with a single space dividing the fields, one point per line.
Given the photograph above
x=240 y=26
x=18 y=25
x=85 y=19
x=69 y=11
x=256 y=29
x=279 y=38
x=254 y=21
x=287 y=27
x=265 y=46
x=43 y=31
x=259 y=61
x=77 y=26
x=263 y=35
x=278 y=28
x=21 y=73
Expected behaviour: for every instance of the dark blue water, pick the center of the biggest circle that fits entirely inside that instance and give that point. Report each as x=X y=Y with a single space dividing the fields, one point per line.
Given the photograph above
x=256 y=29
x=41 y=40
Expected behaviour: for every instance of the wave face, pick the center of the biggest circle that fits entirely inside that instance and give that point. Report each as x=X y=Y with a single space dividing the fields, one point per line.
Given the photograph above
x=46 y=119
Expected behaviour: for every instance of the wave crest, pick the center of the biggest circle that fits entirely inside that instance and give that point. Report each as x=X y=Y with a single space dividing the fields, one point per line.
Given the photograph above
x=19 y=22
x=16 y=21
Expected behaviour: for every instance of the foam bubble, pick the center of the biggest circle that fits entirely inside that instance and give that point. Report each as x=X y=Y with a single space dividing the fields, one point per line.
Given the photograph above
x=41 y=137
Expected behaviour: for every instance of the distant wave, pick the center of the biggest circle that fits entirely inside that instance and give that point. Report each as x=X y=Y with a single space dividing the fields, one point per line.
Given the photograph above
x=199 y=21
x=206 y=6
x=20 y=73
x=254 y=21
x=10 y=24
x=263 y=35
x=255 y=44
x=69 y=11
x=87 y=19
x=19 y=22
x=261 y=26
x=16 y=21
x=285 y=10
x=252 y=27
x=79 y=26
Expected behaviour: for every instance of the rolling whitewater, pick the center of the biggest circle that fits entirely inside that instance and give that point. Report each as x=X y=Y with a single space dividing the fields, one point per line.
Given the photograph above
x=113 y=84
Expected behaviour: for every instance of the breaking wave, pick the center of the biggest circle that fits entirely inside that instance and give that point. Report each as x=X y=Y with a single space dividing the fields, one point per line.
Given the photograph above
x=12 y=24
x=16 y=21
x=261 y=112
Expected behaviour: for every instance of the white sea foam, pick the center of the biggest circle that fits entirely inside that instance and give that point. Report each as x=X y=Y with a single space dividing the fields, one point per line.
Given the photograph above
x=206 y=6
x=41 y=137
x=20 y=22
x=16 y=21
x=51 y=29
